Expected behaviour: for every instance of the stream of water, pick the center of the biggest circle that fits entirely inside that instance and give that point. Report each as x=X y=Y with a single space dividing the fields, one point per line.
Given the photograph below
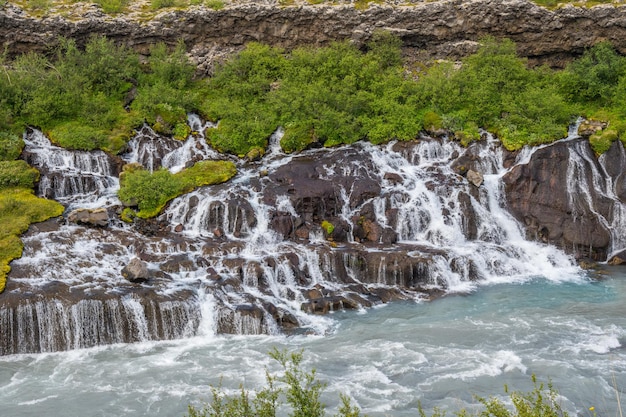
x=440 y=353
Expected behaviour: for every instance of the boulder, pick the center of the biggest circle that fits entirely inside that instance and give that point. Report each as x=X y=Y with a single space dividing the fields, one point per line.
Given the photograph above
x=475 y=178
x=91 y=217
x=136 y=271
x=618 y=259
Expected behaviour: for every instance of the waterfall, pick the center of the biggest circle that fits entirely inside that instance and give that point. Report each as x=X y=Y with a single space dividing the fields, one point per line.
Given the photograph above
x=73 y=178
x=251 y=256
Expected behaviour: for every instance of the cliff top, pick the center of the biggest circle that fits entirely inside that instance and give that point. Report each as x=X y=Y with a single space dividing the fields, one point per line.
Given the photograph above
x=147 y=9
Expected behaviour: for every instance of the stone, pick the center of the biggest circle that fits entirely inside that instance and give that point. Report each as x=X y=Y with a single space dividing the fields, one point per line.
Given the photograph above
x=393 y=177
x=475 y=178
x=618 y=259
x=91 y=217
x=136 y=271
x=589 y=127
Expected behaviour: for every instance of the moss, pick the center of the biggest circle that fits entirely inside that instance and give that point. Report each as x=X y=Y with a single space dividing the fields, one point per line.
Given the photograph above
x=328 y=227
x=601 y=141
x=150 y=192
x=215 y=4
x=19 y=208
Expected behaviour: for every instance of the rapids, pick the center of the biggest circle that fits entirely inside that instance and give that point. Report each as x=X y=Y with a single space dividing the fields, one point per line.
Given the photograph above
x=387 y=359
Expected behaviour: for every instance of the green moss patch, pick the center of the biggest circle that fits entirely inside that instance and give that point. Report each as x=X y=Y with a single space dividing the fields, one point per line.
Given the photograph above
x=151 y=191
x=19 y=208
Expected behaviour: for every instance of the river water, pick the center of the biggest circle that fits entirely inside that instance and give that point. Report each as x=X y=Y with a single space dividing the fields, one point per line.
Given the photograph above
x=441 y=353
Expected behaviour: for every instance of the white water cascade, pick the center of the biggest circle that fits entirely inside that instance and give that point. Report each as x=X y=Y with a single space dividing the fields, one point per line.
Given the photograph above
x=289 y=239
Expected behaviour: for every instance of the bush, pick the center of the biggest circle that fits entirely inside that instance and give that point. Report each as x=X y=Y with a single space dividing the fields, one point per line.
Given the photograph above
x=17 y=174
x=300 y=389
x=593 y=77
x=10 y=146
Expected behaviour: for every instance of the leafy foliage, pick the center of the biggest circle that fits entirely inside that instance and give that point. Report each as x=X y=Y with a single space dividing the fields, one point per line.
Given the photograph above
x=93 y=98
x=540 y=402
x=301 y=390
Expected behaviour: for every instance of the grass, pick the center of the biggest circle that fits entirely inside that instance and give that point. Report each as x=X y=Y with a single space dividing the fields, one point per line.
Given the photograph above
x=19 y=208
x=151 y=191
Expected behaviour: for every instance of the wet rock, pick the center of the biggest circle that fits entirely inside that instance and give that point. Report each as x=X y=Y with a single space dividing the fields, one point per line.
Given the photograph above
x=136 y=271
x=325 y=305
x=475 y=178
x=537 y=194
x=91 y=217
x=282 y=223
x=393 y=177
x=178 y=263
x=618 y=259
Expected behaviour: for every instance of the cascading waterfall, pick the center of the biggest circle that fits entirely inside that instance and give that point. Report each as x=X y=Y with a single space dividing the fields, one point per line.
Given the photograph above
x=290 y=238
x=71 y=177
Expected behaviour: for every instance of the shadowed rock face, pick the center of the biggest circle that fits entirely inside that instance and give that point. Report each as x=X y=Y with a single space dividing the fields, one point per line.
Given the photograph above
x=541 y=195
x=443 y=29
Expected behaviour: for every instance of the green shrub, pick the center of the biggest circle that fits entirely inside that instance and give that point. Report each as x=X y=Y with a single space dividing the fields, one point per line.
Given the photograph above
x=432 y=121
x=540 y=402
x=17 y=174
x=299 y=389
x=10 y=146
x=594 y=76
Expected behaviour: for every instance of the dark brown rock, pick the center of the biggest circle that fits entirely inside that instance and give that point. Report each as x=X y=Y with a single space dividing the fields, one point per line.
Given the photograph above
x=537 y=195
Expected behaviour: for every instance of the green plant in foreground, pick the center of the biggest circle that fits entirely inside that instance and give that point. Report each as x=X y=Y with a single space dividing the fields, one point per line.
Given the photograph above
x=151 y=191
x=301 y=390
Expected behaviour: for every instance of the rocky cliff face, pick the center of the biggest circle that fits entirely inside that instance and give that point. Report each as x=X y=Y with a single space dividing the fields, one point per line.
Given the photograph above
x=444 y=29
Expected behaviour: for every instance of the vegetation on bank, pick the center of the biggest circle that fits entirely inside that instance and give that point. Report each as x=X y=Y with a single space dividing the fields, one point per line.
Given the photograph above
x=300 y=392
x=19 y=208
x=94 y=98
x=151 y=191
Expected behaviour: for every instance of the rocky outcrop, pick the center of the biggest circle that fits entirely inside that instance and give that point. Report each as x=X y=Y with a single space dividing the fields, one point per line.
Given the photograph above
x=444 y=29
x=557 y=198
